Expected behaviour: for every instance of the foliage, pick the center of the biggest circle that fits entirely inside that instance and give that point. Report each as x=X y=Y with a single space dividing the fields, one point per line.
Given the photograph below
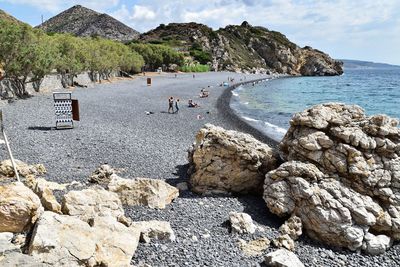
x=27 y=55
x=195 y=68
x=156 y=56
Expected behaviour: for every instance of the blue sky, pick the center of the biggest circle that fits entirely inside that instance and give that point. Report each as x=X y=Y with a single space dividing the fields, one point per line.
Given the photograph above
x=364 y=29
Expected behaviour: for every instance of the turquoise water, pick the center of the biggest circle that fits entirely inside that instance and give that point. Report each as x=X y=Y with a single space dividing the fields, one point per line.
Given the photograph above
x=269 y=105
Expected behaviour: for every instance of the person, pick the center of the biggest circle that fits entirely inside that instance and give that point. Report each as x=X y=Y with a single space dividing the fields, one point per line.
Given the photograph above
x=177 y=105
x=171 y=105
x=176 y=75
x=204 y=93
x=194 y=76
x=191 y=104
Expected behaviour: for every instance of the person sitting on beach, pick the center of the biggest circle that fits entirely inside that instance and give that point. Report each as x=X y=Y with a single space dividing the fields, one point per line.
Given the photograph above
x=204 y=93
x=171 y=105
x=177 y=105
x=191 y=104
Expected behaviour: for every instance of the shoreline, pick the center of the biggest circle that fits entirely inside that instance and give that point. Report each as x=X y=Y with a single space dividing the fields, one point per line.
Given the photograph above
x=223 y=105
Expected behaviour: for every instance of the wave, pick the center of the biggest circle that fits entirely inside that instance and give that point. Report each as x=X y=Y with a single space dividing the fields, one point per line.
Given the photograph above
x=271 y=130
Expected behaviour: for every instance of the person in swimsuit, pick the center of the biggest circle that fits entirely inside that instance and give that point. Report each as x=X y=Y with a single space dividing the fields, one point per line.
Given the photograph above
x=177 y=105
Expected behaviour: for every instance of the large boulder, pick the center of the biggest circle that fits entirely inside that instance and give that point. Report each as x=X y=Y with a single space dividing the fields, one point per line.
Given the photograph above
x=228 y=161
x=19 y=208
x=152 y=193
x=92 y=202
x=342 y=177
x=68 y=241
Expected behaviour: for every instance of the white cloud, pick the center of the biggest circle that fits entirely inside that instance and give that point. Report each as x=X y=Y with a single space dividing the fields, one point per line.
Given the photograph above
x=59 y=5
x=142 y=13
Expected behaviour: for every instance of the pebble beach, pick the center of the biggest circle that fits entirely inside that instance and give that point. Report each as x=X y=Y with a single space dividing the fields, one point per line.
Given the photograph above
x=126 y=125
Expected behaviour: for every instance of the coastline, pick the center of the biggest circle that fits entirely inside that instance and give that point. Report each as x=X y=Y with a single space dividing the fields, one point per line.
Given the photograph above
x=223 y=104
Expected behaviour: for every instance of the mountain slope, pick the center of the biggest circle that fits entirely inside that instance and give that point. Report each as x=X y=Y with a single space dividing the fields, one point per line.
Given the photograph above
x=83 y=22
x=245 y=48
x=5 y=16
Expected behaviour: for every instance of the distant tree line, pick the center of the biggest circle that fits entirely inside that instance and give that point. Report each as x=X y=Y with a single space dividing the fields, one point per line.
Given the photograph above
x=27 y=55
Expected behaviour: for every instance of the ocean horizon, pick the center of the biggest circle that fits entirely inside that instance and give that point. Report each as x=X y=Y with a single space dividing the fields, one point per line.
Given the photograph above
x=269 y=105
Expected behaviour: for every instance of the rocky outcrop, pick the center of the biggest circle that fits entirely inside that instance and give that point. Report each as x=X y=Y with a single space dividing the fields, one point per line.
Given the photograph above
x=342 y=177
x=84 y=22
x=158 y=230
x=92 y=202
x=241 y=223
x=148 y=192
x=244 y=48
x=19 y=208
x=228 y=161
x=67 y=241
x=283 y=258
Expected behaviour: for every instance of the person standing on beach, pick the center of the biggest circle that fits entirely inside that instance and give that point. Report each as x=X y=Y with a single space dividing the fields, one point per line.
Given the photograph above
x=171 y=105
x=177 y=105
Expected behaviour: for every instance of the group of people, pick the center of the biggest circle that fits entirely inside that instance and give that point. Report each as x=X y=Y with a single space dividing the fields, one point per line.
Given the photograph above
x=173 y=106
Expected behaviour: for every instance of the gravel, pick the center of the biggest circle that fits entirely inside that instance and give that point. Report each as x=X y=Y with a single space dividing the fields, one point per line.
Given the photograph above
x=115 y=129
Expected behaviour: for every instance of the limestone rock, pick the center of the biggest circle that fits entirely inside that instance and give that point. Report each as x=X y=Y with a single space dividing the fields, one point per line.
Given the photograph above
x=158 y=230
x=48 y=200
x=92 y=202
x=5 y=243
x=254 y=247
x=283 y=258
x=342 y=178
x=241 y=223
x=16 y=259
x=24 y=169
x=68 y=241
x=289 y=232
x=19 y=207
x=228 y=161
x=148 y=192
x=102 y=175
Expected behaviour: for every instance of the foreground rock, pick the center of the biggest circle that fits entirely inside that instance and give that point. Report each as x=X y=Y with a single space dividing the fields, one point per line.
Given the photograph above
x=158 y=230
x=342 y=178
x=241 y=223
x=19 y=208
x=283 y=258
x=288 y=233
x=148 y=192
x=24 y=169
x=67 y=241
x=92 y=202
x=102 y=175
x=43 y=190
x=228 y=161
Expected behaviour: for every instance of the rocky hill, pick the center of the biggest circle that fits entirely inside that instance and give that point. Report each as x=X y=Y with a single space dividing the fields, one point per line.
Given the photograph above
x=82 y=21
x=7 y=17
x=245 y=48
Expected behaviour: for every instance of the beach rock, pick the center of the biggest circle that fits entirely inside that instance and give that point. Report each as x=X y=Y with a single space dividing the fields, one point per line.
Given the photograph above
x=92 y=202
x=228 y=161
x=283 y=258
x=376 y=245
x=19 y=208
x=182 y=186
x=48 y=200
x=241 y=223
x=158 y=230
x=102 y=175
x=16 y=259
x=24 y=169
x=288 y=233
x=344 y=167
x=68 y=241
x=5 y=243
x=148 y=192
x=254 y=247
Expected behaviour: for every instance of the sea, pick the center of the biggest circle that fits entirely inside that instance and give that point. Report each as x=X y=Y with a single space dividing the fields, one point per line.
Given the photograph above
x=269 y=105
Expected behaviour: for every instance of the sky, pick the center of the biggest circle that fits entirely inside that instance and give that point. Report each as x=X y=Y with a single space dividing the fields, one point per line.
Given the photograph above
x=346 y=29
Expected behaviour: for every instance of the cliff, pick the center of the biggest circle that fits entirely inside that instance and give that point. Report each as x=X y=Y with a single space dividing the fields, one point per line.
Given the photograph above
x=244 y=48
